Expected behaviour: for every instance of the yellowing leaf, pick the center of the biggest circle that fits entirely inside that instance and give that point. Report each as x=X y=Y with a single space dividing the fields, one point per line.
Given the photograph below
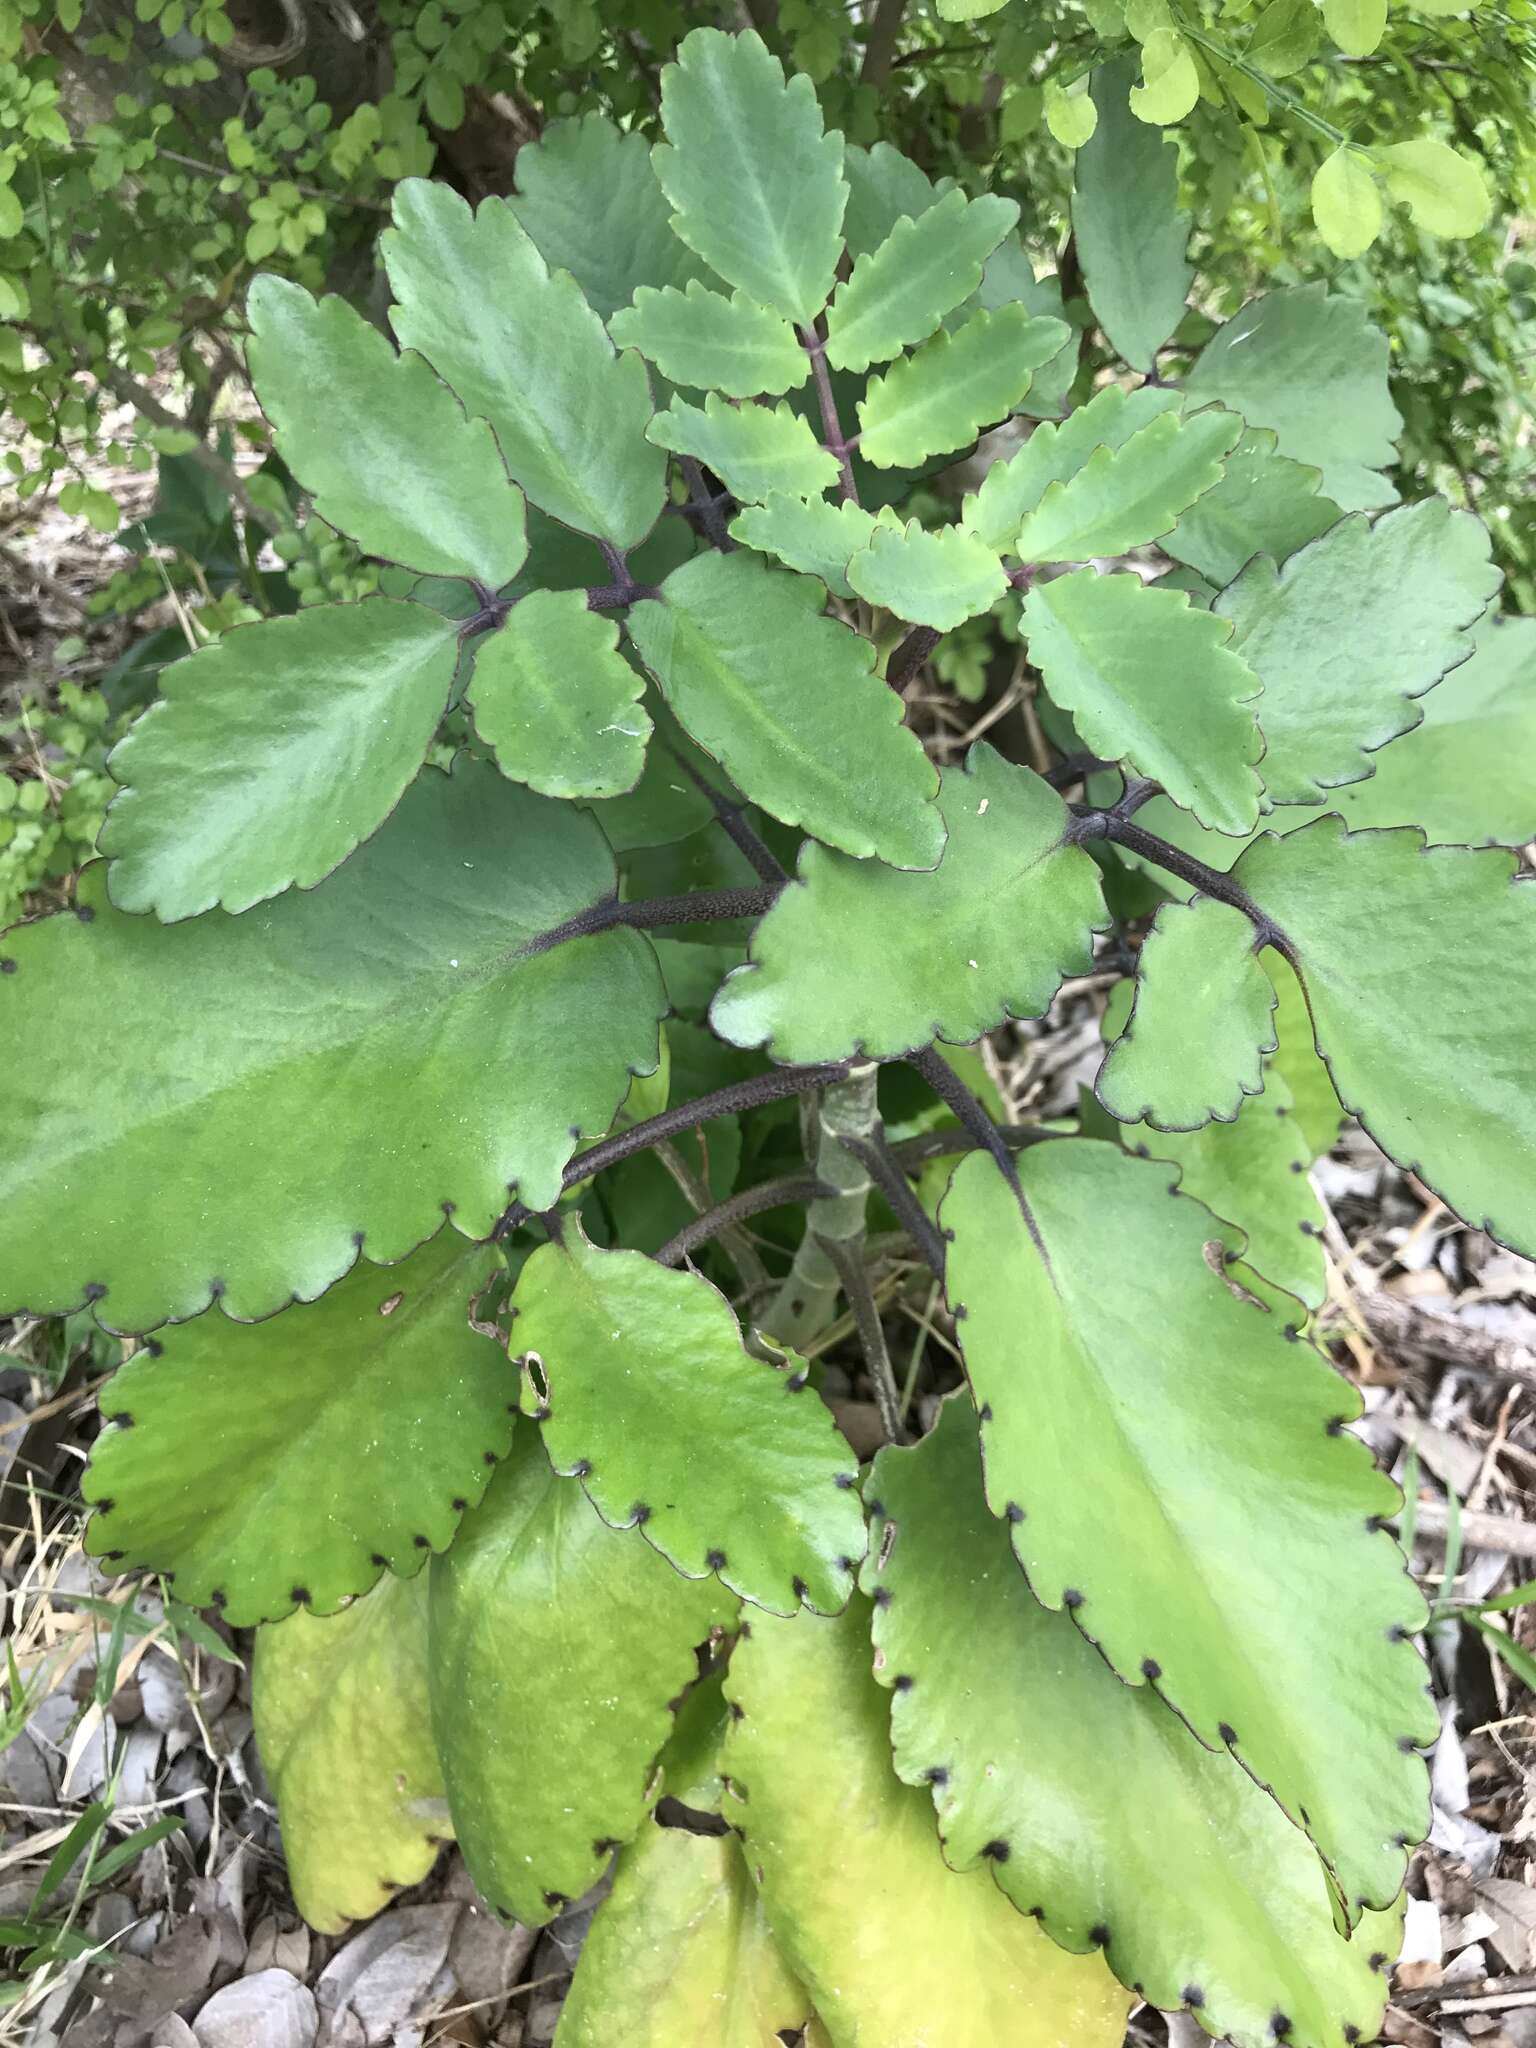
x=1446 y=192
x=1170 y=83
x=1070 y=116
x=1346 y=204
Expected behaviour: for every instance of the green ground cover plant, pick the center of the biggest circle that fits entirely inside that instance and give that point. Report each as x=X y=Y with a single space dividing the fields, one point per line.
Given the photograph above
x=599 y=835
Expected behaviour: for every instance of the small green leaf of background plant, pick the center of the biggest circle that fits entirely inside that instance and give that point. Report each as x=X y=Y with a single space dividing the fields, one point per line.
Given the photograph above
x=756 y=185
x=1346 y=204
x=493 y=350
x=1445 y=191
x=929 y=1952
x=1202 y=1021
x=1275 y=1644
x=788 y=704
x=272 y=754
x=571 y=1639
x=732 y=1465
x=556 y=702
x=859 y=958
x=1196 y=1886
x=345 y=1733
x=249 y=1069
x=351 y=419
x=394 y=1471
x=1150 y=679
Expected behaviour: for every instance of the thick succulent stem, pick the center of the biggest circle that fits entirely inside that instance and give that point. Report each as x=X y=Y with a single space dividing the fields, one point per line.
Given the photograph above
x=807 y=1301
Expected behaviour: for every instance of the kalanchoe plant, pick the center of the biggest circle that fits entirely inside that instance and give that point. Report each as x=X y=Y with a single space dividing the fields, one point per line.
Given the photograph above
x=1105 y=1686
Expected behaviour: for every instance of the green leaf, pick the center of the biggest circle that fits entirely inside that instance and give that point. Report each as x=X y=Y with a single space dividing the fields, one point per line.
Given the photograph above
x=223 y=1438
x=858 y=958
x=817 y=536
x=556 y=702
x=531 y=357
x=1170 y=83
x=1314 y=370
x=611 y=248
x=940 y=398
x=1278 y=1642
x=884 y=186
x=1198 y=1889
x=701 y=338
x=787 y=702
x=898 y=294
x=1357 y=26
x=1392 y=944
x=1053 y=454
x=11 y=215
x=273 y=753
x=1070 y=116
x=557 y=1644
x=756 y=185
x=730 y=1463
x=1130 y=234
x=326 y=1072
x=1350 y=631
x=1151 y=680
x=680 y=1950
x=345 y=1735
x=351 y=418
x=1446 y=192
x=1345 y=202
x=1202 y=1021
x=1123 y=497
x=1284 y=38
x=937 y=578
x=926 y=1954
x=1265 y=504
x=753 y=449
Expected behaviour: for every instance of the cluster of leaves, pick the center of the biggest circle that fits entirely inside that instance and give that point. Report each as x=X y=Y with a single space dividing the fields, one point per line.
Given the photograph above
x=413 y=1388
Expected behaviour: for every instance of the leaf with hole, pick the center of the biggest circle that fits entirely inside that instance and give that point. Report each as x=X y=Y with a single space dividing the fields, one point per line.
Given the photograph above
x=756 y=184
x=787 y=702
x=858 y=958
x=576 y=1638
x=757 y=1488
x=1053 y=454
x=272 y=753
x=345 y=1734
x=939 y=398
x=351 y=418
x=1202 y=1021
x=929 y=1954
x=1151 y=680
x=1186 y=1874
x=406 y=1012
x=1392 y=944
x=753 y=449
x=1130 y=234
x=531 y=358
x=1352 y=629
x=1123 y=497
x=929 y=576
x=323 y=1402
x=1230 y=1549
x=1314 y=370
x=556 y=702
x=896 y=295
x=713 y=343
